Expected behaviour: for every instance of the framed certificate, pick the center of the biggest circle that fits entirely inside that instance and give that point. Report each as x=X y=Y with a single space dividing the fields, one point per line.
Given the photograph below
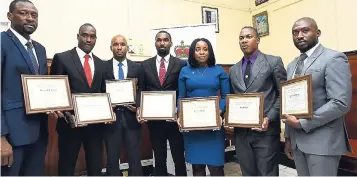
x=44 y=93
x=200 y=113
x=296 y=97
x=91 y=108
x=121 y=91
x=245 y=110
x=158 y=105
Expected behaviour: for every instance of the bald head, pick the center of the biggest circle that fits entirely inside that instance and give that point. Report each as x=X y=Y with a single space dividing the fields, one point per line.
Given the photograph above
x=305 y=34
x=119 y=47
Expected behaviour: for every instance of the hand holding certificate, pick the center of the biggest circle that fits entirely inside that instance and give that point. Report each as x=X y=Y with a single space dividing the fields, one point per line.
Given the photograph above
x=244 y=110
x=296 y=97
x=200 y=114
x=43 y=93
x=158 y=105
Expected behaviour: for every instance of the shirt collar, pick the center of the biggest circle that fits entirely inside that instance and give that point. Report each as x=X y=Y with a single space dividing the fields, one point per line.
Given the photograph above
x=81 y=54
x=124 y=62
x=252 y=58
x=312 y=50
x=167 y=58
x=22 y=39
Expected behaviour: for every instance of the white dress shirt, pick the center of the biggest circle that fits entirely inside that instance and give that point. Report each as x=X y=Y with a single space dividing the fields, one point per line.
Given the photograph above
x=116 y=68
x=310 y=52
x=24 y=41
x=158 y=62
x=81 y=55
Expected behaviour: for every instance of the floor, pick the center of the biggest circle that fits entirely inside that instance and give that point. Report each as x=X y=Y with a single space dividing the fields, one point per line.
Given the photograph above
x=232 y=169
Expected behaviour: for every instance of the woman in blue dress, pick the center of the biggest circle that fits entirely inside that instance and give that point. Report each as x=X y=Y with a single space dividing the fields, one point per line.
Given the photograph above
x=203 y=78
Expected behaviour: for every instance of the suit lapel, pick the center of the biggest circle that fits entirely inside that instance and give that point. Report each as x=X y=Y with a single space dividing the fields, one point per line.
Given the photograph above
x=130 y=73
x=154 y=70
x=239 y=74
x=292 y=68
x=41 y=62
x=318 y=51
x=78 y=64
x=110 y=70
x=257 y=66
x=22 y=49
x=172 y=62
x=96 y=61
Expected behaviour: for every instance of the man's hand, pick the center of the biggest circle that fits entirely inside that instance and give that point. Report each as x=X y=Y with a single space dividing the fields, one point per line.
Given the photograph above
x=6 y=152
x=138 y=116
x=288 y=150
x=265 y=125
x=130 y=107
x=55 y=115
x=291 y=121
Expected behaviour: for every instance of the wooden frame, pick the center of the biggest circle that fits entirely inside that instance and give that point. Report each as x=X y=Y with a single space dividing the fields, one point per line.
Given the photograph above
x=173 y=110
x=75 y=122
x=199 y=99
x=210 y=15
x=259 y=2
x=24 y=80
x=308 y=79
x=134 y=84
x=261 y=23
x=245 y=95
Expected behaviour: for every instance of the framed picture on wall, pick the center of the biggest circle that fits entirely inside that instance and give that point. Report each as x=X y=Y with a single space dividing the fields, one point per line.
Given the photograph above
x=210 y=15
x=260 y=22
x=258 y=2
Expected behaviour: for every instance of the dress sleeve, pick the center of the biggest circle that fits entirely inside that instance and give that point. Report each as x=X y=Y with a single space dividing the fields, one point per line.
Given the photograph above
x=181 y=87
x=224 y=88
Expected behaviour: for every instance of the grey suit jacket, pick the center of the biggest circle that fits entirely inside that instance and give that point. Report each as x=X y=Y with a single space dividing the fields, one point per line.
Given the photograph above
x=267 y=73
x=325 y=133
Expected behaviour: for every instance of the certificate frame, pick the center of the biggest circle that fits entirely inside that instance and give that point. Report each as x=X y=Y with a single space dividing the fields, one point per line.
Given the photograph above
x=75 y=122
x=308 y=79
x=218 y=117
x=245 y=95
x=145 y=93
x=134 y=87
x=25 y=78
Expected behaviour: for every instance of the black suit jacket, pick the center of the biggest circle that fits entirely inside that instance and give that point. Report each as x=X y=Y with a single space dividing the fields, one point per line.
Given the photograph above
x=134 y=71
x=68 y=63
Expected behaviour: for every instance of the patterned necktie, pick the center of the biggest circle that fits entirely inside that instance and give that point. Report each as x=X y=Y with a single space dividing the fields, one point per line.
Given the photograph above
x=32 y=56
x=247 y=73
x=162 y=71
x=87 y=70
x=121 y=71
x=300 y=65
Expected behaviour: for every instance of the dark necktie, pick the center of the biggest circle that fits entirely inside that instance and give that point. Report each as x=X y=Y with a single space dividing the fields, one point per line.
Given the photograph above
x=247 y=73
x=121 y=71
x=300 y=65
x=162 y=71
x=32 y=56
x=87 y=70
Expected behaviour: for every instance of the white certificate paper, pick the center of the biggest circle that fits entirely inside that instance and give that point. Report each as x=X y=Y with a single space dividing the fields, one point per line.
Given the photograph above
x=244 y=110
x=158 y=105
x=93 y=108
x=121 y=91
x=199 y=113
x=295 y=98
x=47 y=93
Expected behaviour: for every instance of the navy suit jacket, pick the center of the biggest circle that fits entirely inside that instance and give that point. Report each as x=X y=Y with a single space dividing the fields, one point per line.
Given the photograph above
x=19 y=128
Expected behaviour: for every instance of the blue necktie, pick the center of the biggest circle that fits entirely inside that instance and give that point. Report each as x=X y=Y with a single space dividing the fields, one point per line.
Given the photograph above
x=121 y=72
x=32 y=56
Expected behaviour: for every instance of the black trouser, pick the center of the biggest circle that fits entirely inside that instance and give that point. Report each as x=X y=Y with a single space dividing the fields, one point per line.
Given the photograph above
x=258 y=155
x=119 y=134
x=160 y=131
x=69 y=143
x=200 y=170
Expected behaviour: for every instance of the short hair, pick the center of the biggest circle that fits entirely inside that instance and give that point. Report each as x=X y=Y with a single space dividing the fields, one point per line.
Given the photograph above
x=163 y=31
x=191 y=56
x=13 y=3
x=85 y=25
x=252 y=28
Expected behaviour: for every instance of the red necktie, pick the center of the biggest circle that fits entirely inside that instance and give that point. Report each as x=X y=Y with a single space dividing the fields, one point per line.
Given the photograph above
x=162 y=71
x=87 y=70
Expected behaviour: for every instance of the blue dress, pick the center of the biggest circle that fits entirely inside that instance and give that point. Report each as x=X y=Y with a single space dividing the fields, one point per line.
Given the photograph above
x=204 y=147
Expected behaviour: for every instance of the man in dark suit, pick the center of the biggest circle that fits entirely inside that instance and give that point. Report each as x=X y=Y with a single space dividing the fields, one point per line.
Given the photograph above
x=161 y=74
x=258 y=148
x=23 y=137
x=126 y=130
x=86 y=75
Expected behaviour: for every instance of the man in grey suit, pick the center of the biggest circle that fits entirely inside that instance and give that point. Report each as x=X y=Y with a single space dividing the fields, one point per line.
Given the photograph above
x=316 y=144
x=258 y=148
